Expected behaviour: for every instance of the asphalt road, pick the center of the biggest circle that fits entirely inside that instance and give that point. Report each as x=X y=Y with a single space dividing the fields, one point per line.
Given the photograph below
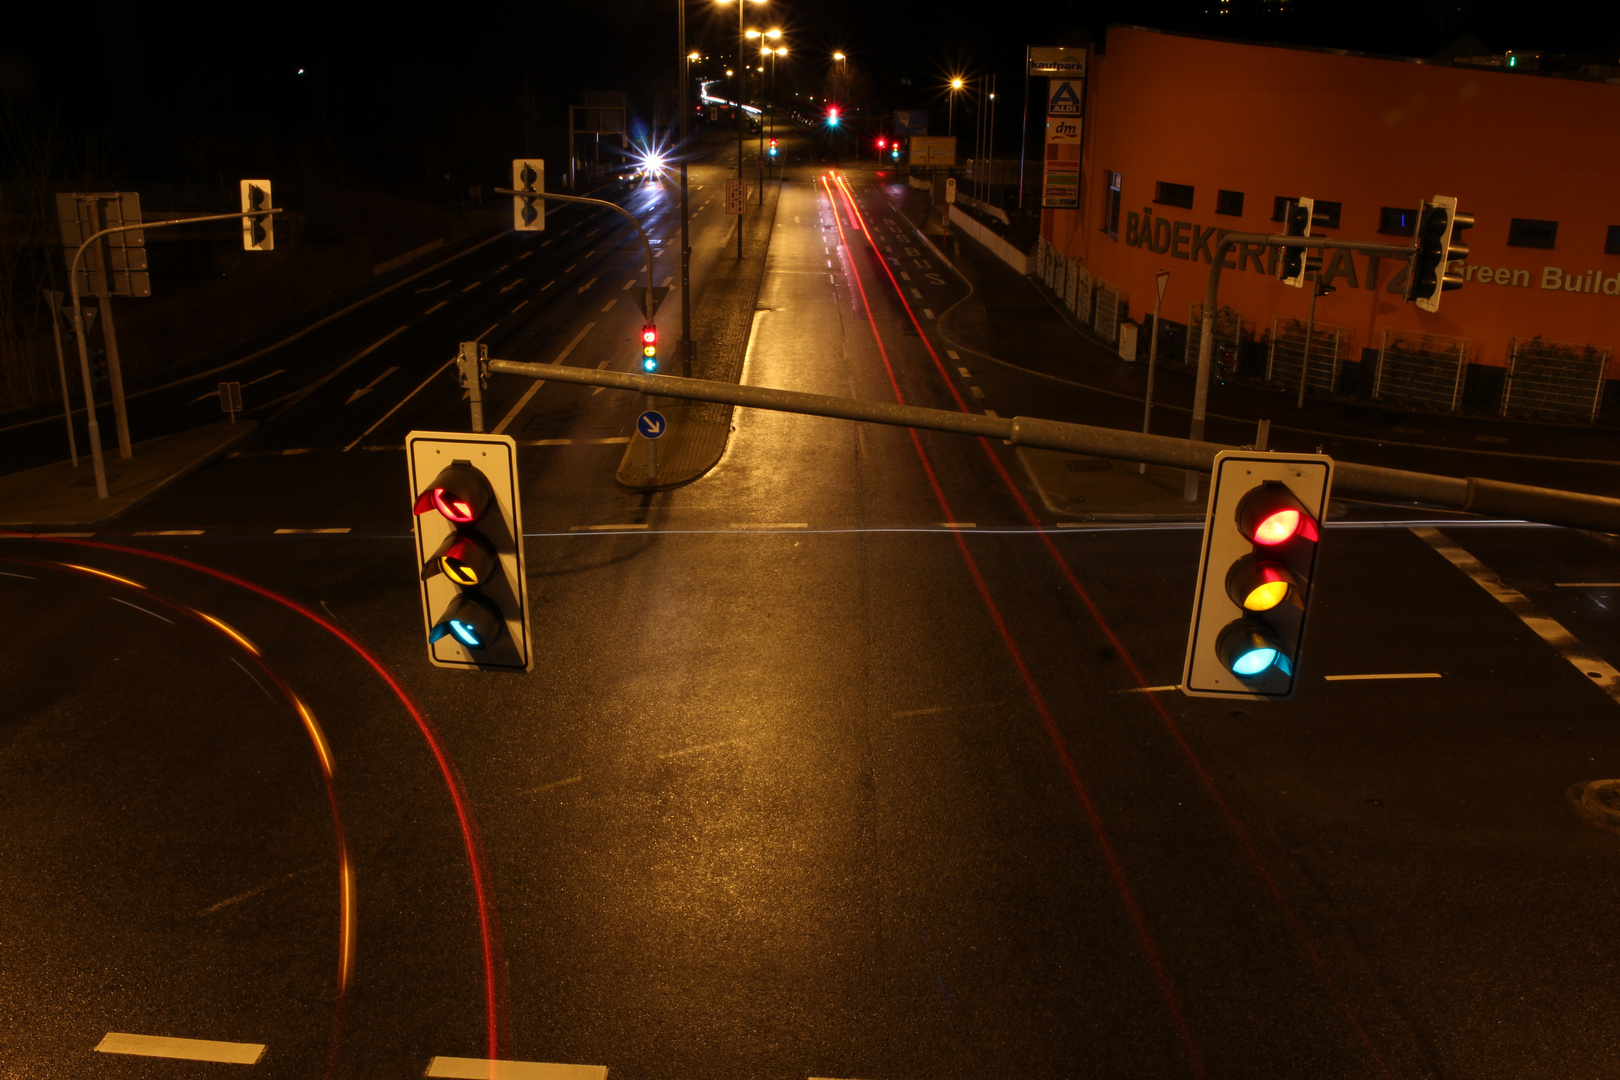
x=844 y=761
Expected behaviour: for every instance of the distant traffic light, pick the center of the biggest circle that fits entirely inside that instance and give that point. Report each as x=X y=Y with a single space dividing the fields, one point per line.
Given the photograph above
x=1255 y=574
x=258 y=234
x=649 y=347
x=832 y=116
x=528 y=212
x=1439 y=244
x=1296 y=222
x=469 y=545
x=773 y=148
x=894 y=154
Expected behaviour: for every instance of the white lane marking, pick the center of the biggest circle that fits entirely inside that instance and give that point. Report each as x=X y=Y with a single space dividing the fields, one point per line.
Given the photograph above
x=473 y=286
x=928 y=312
x=992 y=412
x=553 y=785
x=829 y=263
x=976 y=392
x=528 y=395
x=480 y=337
x=1587 y=584
x=965 y=373
x=606 y=441
x=609 y=305
x=329 y=376
x=630 y=284
x=503 y=268
x=569 y=269
x=525 y=255
x=231 y=1053
x=317 y=532
x=958 y=525
x=1602 y=674
x=294 y=453
x=769 y=525
x=433 y=288
x=487 y=1069
x=904 y=276
x=369 y=387
x=543 y=243
x=548 y=284
x=667 y=282
x=1148 y=689
x=1393 y=675
x=587 y=285
x=255 y=382
x=598 y=389
x=604 y=528
x=435 y=307
x=62 y=534
x=515 y=283
x=168 y=532
x=25 y=577
x=138 y=607
x=517 y=309
x=952 y=354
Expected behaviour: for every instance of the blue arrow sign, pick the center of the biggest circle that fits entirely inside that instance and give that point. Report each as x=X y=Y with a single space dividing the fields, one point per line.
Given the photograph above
x=651 y=424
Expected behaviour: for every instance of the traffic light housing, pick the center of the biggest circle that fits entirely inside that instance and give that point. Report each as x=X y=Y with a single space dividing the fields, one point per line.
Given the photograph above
x=773 y=148
x=258 y=231
x=528 y=211
x=894 y=153
x=649 y=348
x=1439 y=244
x=1255 y=574
x=1296 y=222
x=832 y=116
x=469 y=548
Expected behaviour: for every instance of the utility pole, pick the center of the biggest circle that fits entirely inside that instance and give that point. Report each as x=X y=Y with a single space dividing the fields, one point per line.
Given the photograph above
x=737 y=87
x=686 y=239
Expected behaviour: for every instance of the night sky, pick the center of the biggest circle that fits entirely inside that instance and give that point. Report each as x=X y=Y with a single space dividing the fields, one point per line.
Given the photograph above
x=394 y=99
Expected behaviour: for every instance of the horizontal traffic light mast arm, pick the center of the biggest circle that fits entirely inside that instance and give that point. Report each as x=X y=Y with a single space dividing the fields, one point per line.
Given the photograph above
x=1519 y=501
x=616 y=208
x=1207 y=327
x=73 y=267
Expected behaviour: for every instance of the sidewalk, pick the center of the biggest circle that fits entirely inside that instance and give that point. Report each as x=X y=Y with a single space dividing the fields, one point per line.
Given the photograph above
x=721 y=321
x=63 y=497
x=1013 y=321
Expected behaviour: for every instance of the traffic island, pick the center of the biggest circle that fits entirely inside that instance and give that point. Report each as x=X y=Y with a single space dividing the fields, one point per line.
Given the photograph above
x=63 y=496
x=1098 y=489
x=697 y=431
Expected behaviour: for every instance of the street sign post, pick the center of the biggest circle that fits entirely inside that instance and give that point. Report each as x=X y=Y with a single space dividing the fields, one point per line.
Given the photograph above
x=1161 y=279
x=652 y=425
x=469 y=548
x=53 y=301
x=736 y=195
x=230 y=398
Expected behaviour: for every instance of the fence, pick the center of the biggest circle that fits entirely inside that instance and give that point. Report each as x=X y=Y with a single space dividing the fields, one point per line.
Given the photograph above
x=1228 y=330
x=1071 y=281
x=1546 y=380
x=1421 y=369
x=1105 y=321
x=1328 y=347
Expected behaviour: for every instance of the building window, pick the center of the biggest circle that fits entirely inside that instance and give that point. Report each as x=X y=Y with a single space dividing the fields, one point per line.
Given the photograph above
x=1527 y=232
x=1279 y=207
x=1325 y=215
x=1111 y=207
x=1229 y=202
x=1611 y=246
x=1397 y=221
x=1174 y=195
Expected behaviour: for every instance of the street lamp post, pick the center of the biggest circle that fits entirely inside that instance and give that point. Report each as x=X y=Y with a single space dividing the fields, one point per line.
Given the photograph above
x=950 y=108
x=686 y=239
x=742 y=41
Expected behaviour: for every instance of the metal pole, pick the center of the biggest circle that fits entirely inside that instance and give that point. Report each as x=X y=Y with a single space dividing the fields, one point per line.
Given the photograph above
x=1023 y=136
x=1153 y=359
x=990 y=143
x=53 y=300
x=686 y=239
x=115 y=376
x=1310 y=326
x=742 y=38
x=1571 y=509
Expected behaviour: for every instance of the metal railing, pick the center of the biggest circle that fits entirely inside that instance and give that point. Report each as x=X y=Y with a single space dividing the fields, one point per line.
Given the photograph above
x=1548 y=380
x=1421 y=369
x=1286 y=353
x=1226 y=333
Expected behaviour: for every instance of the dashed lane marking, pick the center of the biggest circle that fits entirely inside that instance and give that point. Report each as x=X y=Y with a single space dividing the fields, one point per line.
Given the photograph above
x=314 y=532
x=1393 y=675
x=230 y=1053
x=905 y=276
x=528 y=395
x=369 y=387
x=471 y=287
x=1147 y=689
x=952 y=354
x=667 y=282
x=569 y=269
x=609 y=305
x=485 y=1069
x=515 y=283
x=169 y=532
x=916 y=292
x=976 y=392
x=587 y=285
x=517 y=309
x=295 y=398
x=965 y=373
x=928 y=312
x=958 y=525
x=1602 y=674
x=480 y=337
x=765 y=525
x=422 y=385
x=433 y=288
x=630 y=284
x=525 y=255
x=548 y=284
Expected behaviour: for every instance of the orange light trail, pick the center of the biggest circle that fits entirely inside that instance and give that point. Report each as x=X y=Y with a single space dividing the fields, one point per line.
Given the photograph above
x=238 y=638
x=103 y=573
x=316 y=736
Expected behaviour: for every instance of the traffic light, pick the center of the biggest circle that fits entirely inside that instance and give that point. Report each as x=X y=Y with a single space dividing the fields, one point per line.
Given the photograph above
x=1439 y=244
x=258 y=233
x=832 y=116
x=894 y=154
x=649 y=347
x=773 y=148
x=1296 y=222
x=469 y=545
x=528 y=211
x=1255 y=574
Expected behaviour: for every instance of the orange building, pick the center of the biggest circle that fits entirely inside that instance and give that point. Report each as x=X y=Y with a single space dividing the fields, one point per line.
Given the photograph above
x=1186 y=138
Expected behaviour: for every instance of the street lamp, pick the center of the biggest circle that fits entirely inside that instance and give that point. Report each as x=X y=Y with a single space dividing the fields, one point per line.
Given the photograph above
x=742 y=40
x=950 y=109
x=685 y=346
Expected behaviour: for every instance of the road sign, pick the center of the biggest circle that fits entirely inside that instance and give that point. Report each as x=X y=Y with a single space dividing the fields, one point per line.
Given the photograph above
x=933 y=150
x=230 y=398
x=116 y=264
x=950 y=189
x=1255 y=574
x=1063 y=97
x=1056 y=60
x=651 y=424
x=469 y=547
x=736 y=195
